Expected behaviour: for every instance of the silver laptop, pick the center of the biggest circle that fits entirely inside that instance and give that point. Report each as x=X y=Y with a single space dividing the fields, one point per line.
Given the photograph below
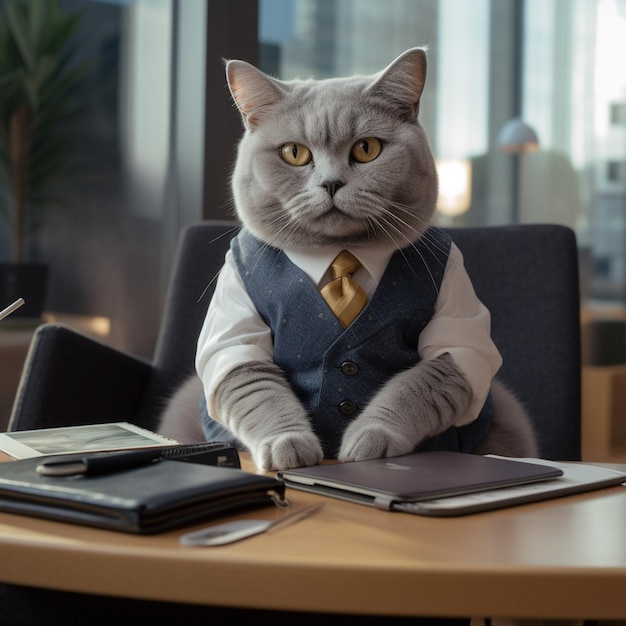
x=391 y=483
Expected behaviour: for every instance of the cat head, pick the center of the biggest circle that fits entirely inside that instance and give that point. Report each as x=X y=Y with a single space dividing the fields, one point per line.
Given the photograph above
x=336 y=161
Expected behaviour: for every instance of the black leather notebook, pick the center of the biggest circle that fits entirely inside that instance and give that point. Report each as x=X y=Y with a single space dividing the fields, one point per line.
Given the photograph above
x=148 y=499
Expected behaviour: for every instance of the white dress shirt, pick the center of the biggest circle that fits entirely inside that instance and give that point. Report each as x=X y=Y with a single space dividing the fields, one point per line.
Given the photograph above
x=233 y=332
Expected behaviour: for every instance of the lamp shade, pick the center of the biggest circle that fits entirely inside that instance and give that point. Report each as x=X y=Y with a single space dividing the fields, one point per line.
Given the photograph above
x=517 y=136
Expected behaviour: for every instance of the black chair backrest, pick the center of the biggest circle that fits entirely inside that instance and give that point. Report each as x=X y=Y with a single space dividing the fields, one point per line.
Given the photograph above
x=199 y=258
x=526 y=275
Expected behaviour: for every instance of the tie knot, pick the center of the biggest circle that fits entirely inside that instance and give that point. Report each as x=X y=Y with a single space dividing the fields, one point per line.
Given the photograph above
x=344 y=264
x=343 y=294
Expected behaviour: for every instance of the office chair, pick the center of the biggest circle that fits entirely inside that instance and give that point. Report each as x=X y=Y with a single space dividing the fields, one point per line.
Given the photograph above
x=527 y=275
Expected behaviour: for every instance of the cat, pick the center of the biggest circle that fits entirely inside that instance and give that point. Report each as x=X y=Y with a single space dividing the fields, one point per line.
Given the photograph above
x=324 y=166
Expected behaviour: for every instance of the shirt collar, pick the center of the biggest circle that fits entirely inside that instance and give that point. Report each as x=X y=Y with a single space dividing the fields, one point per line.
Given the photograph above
x=315 y=261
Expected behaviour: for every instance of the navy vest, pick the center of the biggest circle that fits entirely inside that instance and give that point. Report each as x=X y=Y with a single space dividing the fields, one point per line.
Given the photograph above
x=335 y=371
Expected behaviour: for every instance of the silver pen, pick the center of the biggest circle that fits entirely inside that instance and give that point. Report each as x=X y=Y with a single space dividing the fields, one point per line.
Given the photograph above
x=11 y=308
x=230 y=532
x=294 y=517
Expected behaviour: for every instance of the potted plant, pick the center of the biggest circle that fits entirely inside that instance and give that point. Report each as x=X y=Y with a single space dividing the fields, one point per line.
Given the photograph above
x=38 y=79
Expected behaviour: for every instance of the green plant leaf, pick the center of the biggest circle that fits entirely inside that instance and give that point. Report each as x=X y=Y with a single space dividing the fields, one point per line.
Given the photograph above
x=37 y=71
x=18 y=25
x=36 y=20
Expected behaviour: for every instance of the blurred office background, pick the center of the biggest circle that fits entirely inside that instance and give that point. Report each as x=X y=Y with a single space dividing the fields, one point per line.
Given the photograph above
x=158 y=133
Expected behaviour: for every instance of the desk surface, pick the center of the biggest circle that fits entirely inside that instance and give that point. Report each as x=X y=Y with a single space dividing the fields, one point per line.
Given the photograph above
x=564 y=558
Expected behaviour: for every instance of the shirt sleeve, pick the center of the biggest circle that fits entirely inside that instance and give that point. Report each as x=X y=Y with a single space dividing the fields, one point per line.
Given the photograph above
x=233 y=332
x=461 y=326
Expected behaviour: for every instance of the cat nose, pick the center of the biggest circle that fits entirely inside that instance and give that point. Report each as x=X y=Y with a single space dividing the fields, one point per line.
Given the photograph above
x=332 y=186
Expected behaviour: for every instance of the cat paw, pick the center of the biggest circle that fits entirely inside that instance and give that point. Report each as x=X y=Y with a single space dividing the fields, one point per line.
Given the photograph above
x=372 y=442
x=289 y=451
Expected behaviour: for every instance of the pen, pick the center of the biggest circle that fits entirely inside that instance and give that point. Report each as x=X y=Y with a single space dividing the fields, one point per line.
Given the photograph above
x=12 y=307
x=229 y=532
x=94 y=464
x=287 y=520
x=98 y=463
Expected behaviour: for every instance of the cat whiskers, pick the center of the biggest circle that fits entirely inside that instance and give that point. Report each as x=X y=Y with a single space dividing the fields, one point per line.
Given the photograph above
x=281 y=238
x=395 y=225
x=428 y=238
x=400 y=226
x=428 y=226
x=227 y=233
x=401 y=250
x=208 y=285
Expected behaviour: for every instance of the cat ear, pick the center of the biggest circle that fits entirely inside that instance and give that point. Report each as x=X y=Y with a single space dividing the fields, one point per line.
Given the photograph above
x=403 y=81
x=253 y=91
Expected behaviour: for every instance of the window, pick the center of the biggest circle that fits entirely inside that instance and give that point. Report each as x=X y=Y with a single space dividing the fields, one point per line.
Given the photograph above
x=564 y=79
x=571 y=93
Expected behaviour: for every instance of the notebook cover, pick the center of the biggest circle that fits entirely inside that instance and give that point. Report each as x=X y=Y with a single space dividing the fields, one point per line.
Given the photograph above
x=415 y=477
x=148 y=499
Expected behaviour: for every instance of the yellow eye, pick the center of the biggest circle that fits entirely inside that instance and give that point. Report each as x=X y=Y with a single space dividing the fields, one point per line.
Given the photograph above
x=295 y=154
x=366 y=150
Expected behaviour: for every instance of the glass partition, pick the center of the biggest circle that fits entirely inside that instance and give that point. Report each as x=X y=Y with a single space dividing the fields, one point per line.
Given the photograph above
x=553 y=64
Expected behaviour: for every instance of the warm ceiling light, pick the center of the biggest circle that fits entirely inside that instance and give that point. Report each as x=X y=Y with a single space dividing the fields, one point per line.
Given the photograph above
x=455 y=186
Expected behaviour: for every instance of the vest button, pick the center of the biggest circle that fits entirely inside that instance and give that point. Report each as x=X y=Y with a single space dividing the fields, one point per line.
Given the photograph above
x=349 y=368
x=347 y=408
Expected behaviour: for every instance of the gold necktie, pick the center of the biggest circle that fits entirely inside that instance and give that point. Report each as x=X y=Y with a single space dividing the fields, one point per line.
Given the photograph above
x=344 y=296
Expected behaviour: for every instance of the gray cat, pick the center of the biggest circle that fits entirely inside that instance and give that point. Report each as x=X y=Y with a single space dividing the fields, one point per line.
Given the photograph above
x=326 y=166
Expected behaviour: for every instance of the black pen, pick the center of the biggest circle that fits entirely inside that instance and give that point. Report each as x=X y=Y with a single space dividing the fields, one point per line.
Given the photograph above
x=94 y=463
x=98 y=463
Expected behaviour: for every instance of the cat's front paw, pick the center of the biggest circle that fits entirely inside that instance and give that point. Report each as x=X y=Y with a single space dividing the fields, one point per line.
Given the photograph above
x=288 y=451
x=371 y=441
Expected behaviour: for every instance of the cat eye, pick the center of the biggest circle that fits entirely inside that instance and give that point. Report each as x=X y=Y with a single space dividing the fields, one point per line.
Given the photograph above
x=366 y=150
x=295 y=154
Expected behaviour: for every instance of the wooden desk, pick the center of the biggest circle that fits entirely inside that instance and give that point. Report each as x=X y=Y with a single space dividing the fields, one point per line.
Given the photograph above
x=564 y=558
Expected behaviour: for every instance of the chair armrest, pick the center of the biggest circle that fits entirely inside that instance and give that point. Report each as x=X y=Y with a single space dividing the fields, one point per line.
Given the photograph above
x=70 y=379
